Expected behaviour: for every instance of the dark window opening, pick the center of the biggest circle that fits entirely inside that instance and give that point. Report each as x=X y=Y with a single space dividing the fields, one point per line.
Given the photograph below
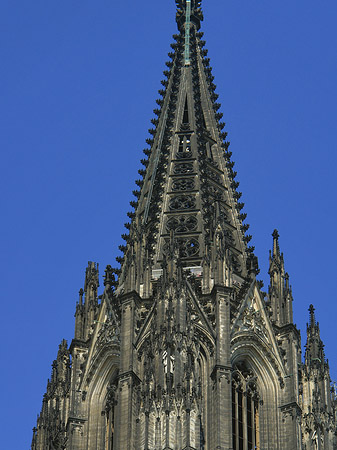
x=245 y=412
x=186 y=116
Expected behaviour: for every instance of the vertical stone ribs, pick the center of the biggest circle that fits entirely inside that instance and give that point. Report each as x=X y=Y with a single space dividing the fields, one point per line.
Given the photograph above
x=169 y=398
x=188 y=184
x=220 y=206
x=144 y=225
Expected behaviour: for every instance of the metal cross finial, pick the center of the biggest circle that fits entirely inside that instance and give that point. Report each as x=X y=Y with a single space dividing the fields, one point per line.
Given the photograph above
x=188 y=11
x=187 y=32
x=312 y=315
x=275 y=234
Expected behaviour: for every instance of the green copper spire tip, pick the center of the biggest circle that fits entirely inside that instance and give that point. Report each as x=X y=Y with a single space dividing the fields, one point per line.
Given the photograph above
x=187 y=32
x=188 y=11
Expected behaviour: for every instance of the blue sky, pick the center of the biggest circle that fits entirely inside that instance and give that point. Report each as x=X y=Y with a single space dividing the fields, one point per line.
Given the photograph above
x=79 y=81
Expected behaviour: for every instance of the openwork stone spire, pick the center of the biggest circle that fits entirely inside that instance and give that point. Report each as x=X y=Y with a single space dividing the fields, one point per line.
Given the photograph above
x=188 y=185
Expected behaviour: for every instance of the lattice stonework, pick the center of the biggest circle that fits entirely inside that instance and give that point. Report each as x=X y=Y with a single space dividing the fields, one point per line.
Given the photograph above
x=181 y=202
x=188 y=247
x=183 y=168
x=182 y=224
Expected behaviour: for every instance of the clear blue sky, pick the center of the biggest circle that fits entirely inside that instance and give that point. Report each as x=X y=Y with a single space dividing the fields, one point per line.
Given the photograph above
x=78 y=82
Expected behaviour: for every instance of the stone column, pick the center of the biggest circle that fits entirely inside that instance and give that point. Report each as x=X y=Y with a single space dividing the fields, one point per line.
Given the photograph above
x=222 y=398
x=124 y=438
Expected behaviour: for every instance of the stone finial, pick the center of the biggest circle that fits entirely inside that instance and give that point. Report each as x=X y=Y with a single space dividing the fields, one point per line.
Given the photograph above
x=80 y=293
x=276 y=247
x=91 y=276
x=312 y=321
x=109 y=277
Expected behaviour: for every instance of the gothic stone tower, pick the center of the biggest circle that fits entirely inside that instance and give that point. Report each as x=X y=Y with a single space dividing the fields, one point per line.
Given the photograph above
x=184 y=351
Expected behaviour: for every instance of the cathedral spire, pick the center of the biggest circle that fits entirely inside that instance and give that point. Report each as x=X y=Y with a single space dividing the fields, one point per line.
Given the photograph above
x=180 y=352
x=188 y=181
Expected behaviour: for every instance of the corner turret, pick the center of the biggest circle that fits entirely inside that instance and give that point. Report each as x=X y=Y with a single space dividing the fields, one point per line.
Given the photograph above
x=280 y=293
x=87 y=305
x=51 y=423
x=318 y=397
x=314 y=353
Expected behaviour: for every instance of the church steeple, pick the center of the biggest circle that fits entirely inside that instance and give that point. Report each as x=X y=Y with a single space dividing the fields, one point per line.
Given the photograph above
x=188 y=183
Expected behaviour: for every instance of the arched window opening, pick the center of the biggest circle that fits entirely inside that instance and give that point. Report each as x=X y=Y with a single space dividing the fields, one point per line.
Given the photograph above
x=186 y=119
x=184 y=149
x=245 y=410
x=110 y=416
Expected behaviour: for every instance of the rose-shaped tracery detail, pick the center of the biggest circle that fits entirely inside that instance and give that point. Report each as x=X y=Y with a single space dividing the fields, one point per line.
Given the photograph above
x=183 y=184
x=182 y=224
x=183 y=168
x=188 y=247
x=181 y=202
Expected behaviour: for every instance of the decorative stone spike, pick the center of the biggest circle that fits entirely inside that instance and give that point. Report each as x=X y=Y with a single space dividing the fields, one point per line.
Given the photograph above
x=109 y=278
x=131 y=215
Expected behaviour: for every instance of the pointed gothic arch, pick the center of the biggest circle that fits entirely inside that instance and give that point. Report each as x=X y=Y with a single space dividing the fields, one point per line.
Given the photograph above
x=260 y=369
x=185 y=425
x=245 y=409
x=100 y=402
